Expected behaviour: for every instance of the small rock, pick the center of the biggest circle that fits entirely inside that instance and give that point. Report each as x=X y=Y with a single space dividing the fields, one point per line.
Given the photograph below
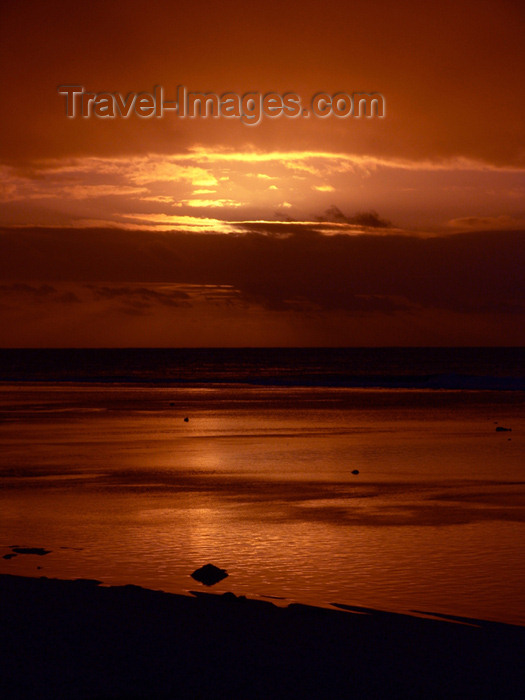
x=186 y=420
x=501 y=429
x=209 y=574
x=355 y=471
x=9 y=556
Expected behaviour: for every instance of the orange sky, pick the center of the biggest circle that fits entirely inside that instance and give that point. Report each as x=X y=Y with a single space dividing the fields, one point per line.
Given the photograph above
x=447 y=161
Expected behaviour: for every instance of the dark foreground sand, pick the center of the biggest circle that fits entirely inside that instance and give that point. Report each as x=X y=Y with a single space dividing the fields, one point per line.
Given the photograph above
x=75 y=639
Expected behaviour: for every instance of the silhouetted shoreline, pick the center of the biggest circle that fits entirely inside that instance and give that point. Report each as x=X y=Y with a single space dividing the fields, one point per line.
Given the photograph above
x=76 y=639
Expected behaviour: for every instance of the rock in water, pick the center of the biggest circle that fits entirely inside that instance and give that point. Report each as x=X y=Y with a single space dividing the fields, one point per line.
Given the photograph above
x=355 y=471
x=209 y=575
x=31 y=550
x=501 y=429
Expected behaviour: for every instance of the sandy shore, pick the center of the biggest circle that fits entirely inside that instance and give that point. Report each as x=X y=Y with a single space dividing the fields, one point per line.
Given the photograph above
x=76 y=639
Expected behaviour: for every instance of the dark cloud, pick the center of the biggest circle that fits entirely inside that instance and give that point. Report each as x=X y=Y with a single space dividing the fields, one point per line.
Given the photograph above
x=173 y=297
x=37 y=292
x=365 y=219
x=468 y=273
x=141 y=300
x=331 y=221
x=68 y=298
x=29 y=293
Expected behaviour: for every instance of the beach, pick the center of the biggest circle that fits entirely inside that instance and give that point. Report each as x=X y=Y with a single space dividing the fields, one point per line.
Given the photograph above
x=77 y=639
x=371 y=524
x=304 y=484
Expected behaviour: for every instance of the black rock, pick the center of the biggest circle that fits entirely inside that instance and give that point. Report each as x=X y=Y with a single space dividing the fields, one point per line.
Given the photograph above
x=8 y=556
x=355 y=471
x=501 y=429
x=209 y=575
x=31 y=550
x=186 y=420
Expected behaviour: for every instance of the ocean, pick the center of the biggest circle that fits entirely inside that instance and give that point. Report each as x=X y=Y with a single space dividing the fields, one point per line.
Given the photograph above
x=409 y=368
x=385 y=478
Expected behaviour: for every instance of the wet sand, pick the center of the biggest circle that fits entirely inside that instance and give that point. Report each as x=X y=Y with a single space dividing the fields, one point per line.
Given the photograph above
x=77 y=639
x=118 y=487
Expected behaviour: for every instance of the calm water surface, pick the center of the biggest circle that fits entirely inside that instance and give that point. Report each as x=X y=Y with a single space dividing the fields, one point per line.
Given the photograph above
x=259 y=481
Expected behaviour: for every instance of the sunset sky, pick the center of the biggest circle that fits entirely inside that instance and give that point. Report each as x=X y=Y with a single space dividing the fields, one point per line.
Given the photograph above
x=405 y=230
